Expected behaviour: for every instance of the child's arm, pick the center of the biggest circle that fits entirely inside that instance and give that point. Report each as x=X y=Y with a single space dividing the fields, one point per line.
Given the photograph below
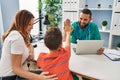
x=66 y=34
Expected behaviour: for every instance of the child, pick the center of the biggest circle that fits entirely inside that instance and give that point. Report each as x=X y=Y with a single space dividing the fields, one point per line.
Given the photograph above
x=56 y=61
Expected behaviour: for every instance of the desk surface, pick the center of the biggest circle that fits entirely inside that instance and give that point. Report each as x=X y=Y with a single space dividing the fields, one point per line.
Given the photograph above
x=97 y=66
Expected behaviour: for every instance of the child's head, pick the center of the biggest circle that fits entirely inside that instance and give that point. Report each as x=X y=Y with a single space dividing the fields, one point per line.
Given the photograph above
x=53 y=38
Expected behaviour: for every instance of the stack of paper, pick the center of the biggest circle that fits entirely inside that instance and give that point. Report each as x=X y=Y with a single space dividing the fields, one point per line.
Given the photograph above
x=112 y=54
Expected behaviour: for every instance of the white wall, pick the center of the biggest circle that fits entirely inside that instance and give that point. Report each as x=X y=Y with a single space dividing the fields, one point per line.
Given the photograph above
x=1 y=27
x=8 y=9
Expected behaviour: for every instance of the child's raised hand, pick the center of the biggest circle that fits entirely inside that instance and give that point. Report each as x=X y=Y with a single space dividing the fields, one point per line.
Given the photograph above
x=67 y=22
x=67 y=27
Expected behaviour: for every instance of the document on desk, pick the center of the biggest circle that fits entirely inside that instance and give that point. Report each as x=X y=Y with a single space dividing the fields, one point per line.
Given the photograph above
x=112 y=54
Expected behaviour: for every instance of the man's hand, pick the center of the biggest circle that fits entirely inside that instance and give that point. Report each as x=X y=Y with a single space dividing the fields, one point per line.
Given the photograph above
x=100 y=51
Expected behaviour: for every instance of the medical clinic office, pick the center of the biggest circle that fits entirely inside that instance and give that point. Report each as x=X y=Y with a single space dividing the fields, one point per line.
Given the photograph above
x=103 y=12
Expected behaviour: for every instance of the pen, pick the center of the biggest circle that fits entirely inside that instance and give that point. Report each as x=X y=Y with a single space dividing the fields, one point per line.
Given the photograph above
x=117 y=59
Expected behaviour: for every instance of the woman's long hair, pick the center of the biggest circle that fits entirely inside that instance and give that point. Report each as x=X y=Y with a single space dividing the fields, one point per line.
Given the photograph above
x=20 y=23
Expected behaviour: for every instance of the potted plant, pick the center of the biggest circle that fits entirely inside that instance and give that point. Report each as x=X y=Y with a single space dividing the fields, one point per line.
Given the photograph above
x=53 y=8
x=110 y=6
x=104 y=24
x=86 y=6
x=118 y=46
x=99 y=5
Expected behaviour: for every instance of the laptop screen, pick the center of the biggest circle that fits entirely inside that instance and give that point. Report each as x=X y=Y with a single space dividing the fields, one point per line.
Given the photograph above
x=88 y=46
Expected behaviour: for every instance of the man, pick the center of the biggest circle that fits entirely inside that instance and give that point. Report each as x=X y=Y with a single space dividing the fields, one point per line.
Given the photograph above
x=84 y=29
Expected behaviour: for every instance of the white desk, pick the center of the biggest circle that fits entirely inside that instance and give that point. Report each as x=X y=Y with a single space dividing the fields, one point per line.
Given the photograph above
x=96 y=66
x=40 y=47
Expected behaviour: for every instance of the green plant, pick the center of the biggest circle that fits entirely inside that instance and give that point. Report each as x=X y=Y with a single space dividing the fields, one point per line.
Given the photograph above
x=86 y=5
x=99 y=5
x=118 y=45
x=39 y=5
x=104 y=23
x=54 y=11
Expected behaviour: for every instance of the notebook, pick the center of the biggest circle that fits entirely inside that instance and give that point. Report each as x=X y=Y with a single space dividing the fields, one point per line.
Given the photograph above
x=112 y=54
x=88 y=46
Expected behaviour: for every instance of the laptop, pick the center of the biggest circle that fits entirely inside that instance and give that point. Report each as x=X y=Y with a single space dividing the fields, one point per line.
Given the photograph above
x=88 y=46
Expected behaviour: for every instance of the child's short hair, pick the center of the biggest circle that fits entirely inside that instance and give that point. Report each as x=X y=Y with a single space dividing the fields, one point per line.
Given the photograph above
x=53 y=38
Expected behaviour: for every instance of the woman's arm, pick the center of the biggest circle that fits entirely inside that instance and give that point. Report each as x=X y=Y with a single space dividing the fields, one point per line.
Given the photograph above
x=17 y=69
x=31 y=52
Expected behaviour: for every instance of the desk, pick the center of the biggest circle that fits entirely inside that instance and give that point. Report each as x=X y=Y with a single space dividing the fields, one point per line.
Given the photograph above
x=96 y=66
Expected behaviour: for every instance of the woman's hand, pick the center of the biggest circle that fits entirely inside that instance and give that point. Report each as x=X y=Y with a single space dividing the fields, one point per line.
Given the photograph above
x=31 y=53
x=100 y=51
x=45 y=76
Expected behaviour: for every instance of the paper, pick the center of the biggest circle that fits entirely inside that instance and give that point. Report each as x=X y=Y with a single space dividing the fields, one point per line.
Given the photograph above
x=112 y=54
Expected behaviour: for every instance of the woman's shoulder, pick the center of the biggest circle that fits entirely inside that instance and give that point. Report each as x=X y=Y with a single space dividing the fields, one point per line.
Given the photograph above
x=14 y=35
x=14 y=32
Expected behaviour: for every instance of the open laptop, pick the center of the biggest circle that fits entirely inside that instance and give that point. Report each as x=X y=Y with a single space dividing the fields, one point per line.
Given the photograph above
x=88 y=46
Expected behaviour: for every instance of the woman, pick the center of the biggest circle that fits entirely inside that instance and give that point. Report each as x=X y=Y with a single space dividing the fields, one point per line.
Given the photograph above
x=17 y=49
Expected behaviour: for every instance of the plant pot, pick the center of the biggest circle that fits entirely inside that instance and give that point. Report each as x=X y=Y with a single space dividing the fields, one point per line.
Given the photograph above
x=86 y=6
x=110 y=6
x=103 y=28
x=99 y=6
x=118 y=48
